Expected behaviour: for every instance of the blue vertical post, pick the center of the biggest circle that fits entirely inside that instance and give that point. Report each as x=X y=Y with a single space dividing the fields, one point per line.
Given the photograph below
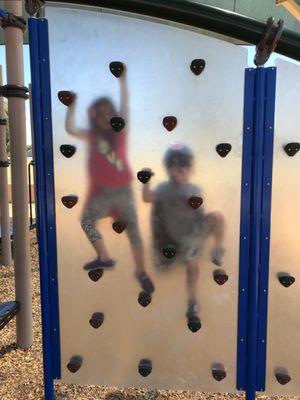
x=259 y=109
x=41 y=104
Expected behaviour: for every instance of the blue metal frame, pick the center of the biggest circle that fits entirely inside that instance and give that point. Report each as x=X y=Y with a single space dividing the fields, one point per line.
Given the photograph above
x=255 y=229
x=41 y=104
x=270 y=94
x=245 y=227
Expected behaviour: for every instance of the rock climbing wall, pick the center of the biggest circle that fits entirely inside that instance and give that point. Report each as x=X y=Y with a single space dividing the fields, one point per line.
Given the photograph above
x=127 y=339
x=283 y=345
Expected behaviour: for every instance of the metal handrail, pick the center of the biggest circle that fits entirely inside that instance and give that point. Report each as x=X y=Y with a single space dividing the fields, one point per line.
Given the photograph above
x=210 y=18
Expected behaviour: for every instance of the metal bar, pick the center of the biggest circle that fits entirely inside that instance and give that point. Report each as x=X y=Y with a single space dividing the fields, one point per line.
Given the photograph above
x=17 y=127
x=265 y=229
x=30 y=197
x=4 y=200
x=255 y=237
x=246 y=189
x=213 y=19
x=41 y=209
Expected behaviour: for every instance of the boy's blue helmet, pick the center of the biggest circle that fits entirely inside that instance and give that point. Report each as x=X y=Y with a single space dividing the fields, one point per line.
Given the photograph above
x=178 y=155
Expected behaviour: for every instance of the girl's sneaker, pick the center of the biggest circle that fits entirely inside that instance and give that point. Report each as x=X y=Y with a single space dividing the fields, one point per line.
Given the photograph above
x=98 y=264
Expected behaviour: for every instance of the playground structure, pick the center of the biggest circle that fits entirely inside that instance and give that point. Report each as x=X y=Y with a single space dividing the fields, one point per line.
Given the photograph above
x=121 y=335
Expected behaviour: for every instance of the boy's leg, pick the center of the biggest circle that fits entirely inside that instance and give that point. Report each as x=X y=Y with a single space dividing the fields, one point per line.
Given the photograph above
x=215 y=223
x=128 y=215
x=192 y=277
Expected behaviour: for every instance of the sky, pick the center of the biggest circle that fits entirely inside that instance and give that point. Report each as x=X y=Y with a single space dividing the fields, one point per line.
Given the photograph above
x=251 y=53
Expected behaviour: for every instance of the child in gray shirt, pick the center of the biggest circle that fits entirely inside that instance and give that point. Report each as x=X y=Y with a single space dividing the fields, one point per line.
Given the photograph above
x=179 y=224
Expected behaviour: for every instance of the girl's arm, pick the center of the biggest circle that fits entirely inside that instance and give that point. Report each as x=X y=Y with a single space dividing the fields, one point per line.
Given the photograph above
x=124 y=104
x=69 y=124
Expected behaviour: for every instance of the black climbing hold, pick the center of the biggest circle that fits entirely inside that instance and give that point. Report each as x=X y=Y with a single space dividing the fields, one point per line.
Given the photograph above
x=144 y=299
x=69 y=201
x=194 y=323
x=74 y=364
x=195 y=202
x=282 y=377
x=116 y=68
x=220 y=276
x=169 y=252
x=170 y=123
x=118 y=226
x=223 y=149
x=95 y=274
x=292 y=148
x=66 y=97
x=218 y=372
x=97 y=320
x=67 y=150
x=144 y=176
x=286 y=280
x=145 y=367
x=117 y=123
x=197 y=66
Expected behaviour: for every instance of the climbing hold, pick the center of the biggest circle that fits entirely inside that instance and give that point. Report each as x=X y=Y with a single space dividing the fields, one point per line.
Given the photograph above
x=144 y=299
x=69 y=201
x=218 y=372
x=145 y=367
x=74 y=364
x=97 y=320
x=116 y=68
x=117 y=123
x=220 y=276
x=169 y=252
x=118 y=226
x=223 y=149
x=282 y=377
x=195 y=202
x=292 y=148
x=170 y=123
x=66 y=97
x=194 y=323
x=197 y=66
x=67 y=150
x=144 y=176
x=286 y=280
x=95 y=274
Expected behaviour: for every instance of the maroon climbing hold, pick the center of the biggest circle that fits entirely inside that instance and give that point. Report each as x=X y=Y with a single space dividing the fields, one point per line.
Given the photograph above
x=218 y=372
x=116 y=68
x=97 y=320
x=197 y=66
x=170 y=123
x=220 y=276
x=117 y=123
x=118 y=226
x=74 y=364
x=69 y=201
x=67 y=150
x=66 y=97
x=195 y=202
x=144 y=299
x=223 y=149
x=95 y=274
x=286 y=280
x=282 y=377
x=144 y=176
x=145 y=367
x=292 y=148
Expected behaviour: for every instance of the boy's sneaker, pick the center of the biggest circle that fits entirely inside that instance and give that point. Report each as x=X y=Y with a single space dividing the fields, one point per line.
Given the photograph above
x=145 y=281
x=194 y=323
x=217 y=254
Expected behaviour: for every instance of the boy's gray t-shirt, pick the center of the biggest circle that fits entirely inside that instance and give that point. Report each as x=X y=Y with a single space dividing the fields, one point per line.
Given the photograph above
x=172 y=210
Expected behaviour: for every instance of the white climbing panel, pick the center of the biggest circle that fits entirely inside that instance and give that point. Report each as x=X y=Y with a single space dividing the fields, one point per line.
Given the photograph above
x=209 y=110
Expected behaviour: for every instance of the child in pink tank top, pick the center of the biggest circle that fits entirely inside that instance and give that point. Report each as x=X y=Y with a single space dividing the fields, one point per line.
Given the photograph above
x=110 y=193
